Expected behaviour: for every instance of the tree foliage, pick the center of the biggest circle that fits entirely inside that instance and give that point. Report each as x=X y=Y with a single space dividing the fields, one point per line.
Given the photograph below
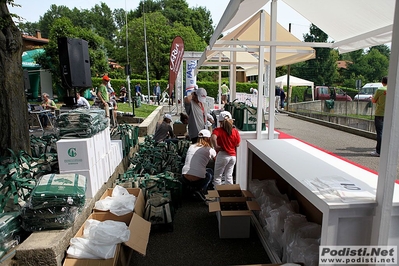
x=323 y=69
x=160 y=34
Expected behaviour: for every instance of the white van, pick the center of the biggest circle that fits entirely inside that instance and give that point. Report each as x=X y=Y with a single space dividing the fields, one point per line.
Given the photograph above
x=367 y=92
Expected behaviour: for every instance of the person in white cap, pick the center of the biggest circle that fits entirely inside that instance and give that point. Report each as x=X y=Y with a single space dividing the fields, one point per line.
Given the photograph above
x=253 y=91
x=225 y=140
x=164 y=130
x=194 y=172
x=197 y=112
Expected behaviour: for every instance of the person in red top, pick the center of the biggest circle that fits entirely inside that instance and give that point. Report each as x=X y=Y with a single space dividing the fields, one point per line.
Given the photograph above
x=225 y=140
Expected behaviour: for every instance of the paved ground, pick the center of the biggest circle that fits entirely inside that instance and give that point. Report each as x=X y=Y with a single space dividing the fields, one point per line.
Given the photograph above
x=352 y=147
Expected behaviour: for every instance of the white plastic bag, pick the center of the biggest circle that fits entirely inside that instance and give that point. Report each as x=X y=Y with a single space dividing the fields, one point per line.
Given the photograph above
x=82 y=248
x=106 y=232
x=120 y=203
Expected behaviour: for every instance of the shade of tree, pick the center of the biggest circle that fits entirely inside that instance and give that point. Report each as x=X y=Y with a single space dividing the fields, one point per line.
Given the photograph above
x=13 y=104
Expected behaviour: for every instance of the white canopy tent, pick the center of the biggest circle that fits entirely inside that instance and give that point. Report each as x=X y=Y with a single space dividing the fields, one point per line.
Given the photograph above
x=349 y=24
x=247 y=56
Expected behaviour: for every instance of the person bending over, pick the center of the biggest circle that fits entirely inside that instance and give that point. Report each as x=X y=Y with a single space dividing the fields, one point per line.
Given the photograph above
x=194 y=172
x=164 y=130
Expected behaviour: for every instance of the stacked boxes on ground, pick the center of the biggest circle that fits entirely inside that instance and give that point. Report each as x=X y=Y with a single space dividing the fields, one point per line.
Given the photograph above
x=95 y=157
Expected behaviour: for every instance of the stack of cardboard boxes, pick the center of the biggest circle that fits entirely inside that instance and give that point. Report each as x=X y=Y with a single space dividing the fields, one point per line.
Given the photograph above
x=95 y=157
x=234 y=208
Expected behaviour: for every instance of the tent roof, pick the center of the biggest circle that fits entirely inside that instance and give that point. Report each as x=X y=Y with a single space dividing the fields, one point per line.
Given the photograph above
x=353 y=25
x=247 y=56
x=29 y=58
x=294 y=81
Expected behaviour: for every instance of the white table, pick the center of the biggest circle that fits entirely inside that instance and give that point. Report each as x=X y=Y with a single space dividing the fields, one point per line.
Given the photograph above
x=343 y=223
x=242 y=154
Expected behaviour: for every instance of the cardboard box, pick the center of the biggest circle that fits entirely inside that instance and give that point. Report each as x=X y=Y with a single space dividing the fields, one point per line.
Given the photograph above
x=76 y=154
x=139 y=233
x=234 y=216
x=229 y=191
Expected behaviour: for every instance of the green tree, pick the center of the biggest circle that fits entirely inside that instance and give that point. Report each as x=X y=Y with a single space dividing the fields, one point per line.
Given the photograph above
x=63 y=27
x=55 y=12
x=28 y=28
x=323 y=69
x=160 y=34
x=13 y=108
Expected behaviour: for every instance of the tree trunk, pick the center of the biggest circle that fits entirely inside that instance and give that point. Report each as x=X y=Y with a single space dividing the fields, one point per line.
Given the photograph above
x=13 y=104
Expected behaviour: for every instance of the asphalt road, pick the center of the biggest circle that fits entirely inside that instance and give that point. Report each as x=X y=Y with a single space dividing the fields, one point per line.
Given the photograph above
x=349 y=146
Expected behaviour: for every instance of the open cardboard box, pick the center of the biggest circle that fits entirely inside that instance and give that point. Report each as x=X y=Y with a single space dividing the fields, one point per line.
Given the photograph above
x=139 y=232
x=229 y=191
x=234 y=216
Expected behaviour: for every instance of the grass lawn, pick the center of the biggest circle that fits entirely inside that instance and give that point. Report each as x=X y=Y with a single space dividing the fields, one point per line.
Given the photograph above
x=143 y=111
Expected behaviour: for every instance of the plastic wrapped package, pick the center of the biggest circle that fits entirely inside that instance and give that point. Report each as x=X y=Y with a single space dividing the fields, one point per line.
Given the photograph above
x=10 y=223
x=99 y=240
x=275 y=223
x=120 y=203
x=304 y=235
x=50 y=218
x=291 y=223
x=59 y=190
x=9 y=242
x=267 y=186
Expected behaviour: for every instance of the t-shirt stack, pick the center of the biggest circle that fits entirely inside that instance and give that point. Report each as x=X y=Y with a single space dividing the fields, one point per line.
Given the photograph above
x=55 y=202
x=81 y=123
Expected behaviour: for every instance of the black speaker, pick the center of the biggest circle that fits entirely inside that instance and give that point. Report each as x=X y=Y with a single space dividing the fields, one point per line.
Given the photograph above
x=74 y=62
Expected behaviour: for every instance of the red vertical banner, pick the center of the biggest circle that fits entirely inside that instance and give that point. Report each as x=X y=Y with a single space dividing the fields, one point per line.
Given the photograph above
x=176 y=56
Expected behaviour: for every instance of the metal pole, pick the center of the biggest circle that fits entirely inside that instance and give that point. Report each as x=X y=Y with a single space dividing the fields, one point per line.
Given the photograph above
x=146 y=55
x=127 y=60
x=289 y=92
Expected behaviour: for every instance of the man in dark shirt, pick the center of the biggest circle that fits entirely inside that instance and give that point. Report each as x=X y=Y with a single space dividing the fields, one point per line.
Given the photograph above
x=164 y=130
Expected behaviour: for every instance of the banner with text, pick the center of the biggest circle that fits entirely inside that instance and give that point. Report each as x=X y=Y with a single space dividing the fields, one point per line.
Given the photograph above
x=176 y=56
x=191 y=77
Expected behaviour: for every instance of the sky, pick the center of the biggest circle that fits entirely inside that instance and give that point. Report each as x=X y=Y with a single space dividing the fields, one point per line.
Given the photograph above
x=32 y=10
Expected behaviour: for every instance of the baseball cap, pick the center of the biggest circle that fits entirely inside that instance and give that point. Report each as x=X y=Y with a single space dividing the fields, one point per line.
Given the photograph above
x=201 y=94
x=106 y=78
x=204 y=133
x=168 y=116
x=224 y=115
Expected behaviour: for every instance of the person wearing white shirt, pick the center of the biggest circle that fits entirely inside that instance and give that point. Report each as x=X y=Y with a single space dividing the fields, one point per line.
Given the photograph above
x=81 y=101
x=253 y=91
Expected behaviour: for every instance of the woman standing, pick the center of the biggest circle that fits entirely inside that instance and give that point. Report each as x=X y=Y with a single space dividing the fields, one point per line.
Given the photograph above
x=225 y=139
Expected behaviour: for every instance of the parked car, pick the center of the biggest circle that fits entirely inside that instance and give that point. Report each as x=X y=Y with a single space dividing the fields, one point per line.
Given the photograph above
x=367 y=92
x=326 y=93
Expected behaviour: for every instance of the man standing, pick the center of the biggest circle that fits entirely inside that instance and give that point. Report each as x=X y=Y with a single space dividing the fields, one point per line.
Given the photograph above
x=225 y=92
x=277 y=97
x=197 y=112
x=379 y=100
x=102 y=96
x=137 y=89
x=157 y=92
